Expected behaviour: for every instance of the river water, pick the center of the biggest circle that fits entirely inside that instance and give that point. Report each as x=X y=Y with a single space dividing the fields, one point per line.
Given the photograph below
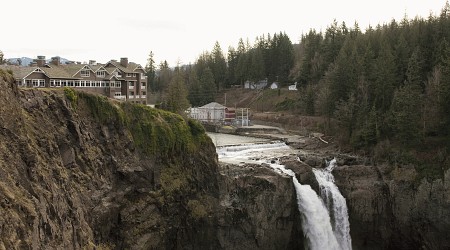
x=324 y=217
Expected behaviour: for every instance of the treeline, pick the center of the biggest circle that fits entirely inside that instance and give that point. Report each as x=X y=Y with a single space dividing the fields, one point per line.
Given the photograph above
x=270 y=57
x=391 y=82
x=387 y=84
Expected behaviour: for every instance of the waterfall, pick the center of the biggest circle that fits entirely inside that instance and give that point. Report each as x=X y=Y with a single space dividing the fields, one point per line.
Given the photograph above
x=315 y=219
x=336 y=205
x=324 y=222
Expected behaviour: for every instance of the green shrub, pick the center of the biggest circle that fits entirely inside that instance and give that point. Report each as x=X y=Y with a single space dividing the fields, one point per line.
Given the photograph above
x=71 y=95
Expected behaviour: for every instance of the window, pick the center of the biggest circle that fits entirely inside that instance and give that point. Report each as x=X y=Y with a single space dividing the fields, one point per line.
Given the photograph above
x=101 y=73
x=41 y=83
x=82 y=83
x=70 y=83
x=28 y=83
x=85 y=73
x=35 y=82
x=77 y=83
x=131 y=84
x=64 y=83
x=88 y=83
x=58 y=83
x=117 y=93
x=131 y=75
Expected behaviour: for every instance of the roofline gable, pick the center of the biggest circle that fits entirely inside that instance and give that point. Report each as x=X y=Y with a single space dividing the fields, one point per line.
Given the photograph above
x=85 y=65
x=101 y=67
x=36 y=70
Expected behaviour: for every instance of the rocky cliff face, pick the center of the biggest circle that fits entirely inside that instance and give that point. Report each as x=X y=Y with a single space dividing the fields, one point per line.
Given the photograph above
x=79 y=172
x=258 y=209
x=390 y=207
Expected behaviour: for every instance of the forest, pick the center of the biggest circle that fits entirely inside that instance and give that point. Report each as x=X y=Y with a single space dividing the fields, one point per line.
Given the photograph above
x=387 y=87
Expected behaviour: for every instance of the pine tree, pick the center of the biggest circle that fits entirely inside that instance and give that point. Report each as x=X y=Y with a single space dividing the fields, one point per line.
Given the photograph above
x=232 y=65
x=150 y=68
x=256 y=69
x=176 y=99
x=194 y=95
x=207 y=90
x=219 y=67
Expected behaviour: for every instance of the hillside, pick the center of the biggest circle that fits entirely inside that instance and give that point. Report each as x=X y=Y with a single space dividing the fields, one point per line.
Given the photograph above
x=267 y=100
x=275 y=107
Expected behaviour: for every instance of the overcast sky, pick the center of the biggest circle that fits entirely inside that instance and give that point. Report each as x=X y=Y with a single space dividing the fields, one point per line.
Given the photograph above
x=177 y=30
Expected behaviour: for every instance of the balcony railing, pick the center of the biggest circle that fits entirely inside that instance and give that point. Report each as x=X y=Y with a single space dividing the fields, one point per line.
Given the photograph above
x=120 y=97
x=130 y=87
x=142 y=87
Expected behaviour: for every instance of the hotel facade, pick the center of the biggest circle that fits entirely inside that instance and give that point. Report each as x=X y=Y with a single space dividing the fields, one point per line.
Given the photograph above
x=120 y=80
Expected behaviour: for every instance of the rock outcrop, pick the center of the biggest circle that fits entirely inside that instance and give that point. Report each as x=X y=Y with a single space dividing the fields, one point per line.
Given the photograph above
x=258 y=209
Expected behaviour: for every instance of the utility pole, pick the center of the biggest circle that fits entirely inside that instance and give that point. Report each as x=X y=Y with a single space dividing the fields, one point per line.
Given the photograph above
x=225 y=99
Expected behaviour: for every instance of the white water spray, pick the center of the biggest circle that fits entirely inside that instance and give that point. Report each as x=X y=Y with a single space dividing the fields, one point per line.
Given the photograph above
x=336 y=205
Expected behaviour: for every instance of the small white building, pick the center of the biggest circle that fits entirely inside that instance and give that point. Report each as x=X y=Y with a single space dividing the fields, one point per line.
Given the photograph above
x=274 y=85
x=210 y=113
x=293 y=87
x=255 y=85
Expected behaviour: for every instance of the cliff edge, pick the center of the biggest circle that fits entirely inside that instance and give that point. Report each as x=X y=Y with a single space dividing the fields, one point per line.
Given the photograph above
x=78 y=171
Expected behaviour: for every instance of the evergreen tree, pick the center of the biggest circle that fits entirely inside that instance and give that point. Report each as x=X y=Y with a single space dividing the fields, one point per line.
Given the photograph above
x=256 y=69
x=164 y=77
x=176 y=97
x=405 y=115
x=384 y=73
x=232 y=65
x=195 y=95
x=285 y=57
x=150 y=69
x=207 y=90
x=219 y=67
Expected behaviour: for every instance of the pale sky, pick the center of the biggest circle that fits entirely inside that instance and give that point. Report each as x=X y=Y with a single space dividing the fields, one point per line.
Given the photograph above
x=177 y=30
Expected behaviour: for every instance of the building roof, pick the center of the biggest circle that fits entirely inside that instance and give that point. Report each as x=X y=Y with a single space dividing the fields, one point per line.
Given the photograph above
x=70 y=70
x=214 y=105
x=21 y=72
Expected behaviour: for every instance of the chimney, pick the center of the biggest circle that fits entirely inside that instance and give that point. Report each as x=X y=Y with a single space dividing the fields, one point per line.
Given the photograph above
x=56 y=60
x=92 y=62
x=33 y=63
x=40 y=61
x=124 y=61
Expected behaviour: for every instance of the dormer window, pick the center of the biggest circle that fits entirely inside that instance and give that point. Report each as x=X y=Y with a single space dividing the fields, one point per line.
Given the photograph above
x=85 y=73
x=101 y=73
